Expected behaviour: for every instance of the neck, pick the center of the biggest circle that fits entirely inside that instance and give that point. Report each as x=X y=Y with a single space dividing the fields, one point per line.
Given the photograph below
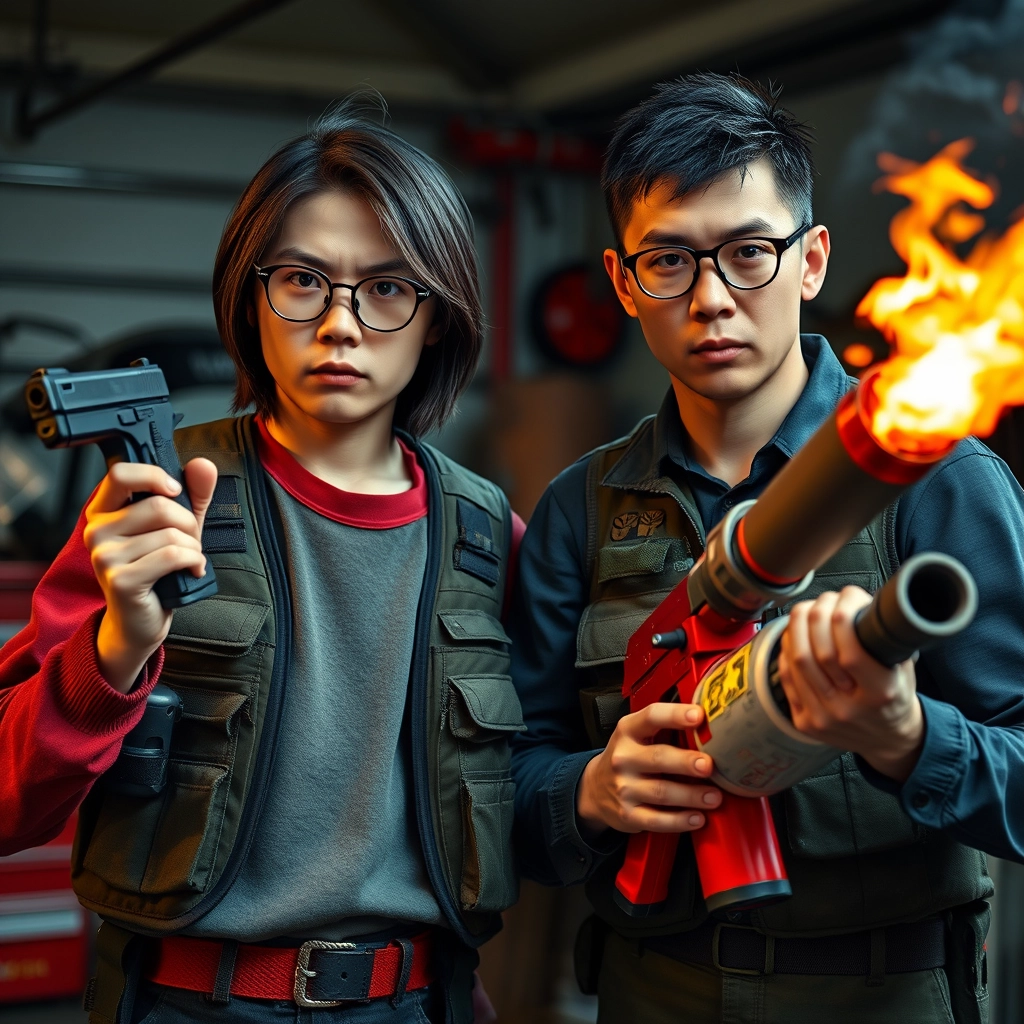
x=362 y=457
x=725 y=435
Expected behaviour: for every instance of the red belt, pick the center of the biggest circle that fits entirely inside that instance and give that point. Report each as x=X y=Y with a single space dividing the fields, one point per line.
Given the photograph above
x=315 y=974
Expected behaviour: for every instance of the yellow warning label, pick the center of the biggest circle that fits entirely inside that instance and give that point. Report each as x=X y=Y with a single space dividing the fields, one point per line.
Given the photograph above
x=725 y=684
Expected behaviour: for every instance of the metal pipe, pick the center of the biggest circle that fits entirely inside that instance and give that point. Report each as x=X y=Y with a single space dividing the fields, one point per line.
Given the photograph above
x=829 y=491
x=28 y=124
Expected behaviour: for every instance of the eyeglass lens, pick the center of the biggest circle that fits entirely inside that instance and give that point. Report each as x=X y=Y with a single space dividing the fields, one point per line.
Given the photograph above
x=380 y=303
x=744 y=263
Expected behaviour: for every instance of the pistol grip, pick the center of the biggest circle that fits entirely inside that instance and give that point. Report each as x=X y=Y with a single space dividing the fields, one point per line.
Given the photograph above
x=641 y=886
x=176 y=589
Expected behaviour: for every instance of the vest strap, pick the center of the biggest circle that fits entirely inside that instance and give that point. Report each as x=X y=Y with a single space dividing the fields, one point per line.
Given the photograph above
x=116 y=974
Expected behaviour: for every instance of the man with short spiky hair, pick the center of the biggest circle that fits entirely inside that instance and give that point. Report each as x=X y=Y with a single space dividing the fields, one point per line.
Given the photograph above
x=708 y=185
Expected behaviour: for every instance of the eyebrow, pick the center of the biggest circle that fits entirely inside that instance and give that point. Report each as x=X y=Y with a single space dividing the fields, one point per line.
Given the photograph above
x=294 y=254
x=757 y=226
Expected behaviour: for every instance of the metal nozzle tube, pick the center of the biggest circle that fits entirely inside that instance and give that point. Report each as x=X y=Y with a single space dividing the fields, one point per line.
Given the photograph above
x=829 y=491
x=932 y=597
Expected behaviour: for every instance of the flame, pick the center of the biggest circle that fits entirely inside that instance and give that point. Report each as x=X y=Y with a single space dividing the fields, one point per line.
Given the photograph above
x=956 y=326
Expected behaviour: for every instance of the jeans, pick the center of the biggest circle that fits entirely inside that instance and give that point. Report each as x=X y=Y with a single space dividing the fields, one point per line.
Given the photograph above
x=160 y=1004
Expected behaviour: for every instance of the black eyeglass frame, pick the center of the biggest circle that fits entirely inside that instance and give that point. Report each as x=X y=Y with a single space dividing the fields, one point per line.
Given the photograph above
x=422 y=293
x=781 y=245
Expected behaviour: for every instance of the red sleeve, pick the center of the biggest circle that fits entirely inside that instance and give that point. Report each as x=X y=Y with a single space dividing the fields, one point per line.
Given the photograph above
x=518 y=529
x=61 y=723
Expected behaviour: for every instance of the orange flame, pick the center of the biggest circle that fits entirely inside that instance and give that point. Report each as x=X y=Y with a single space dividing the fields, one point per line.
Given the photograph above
x=956 y=326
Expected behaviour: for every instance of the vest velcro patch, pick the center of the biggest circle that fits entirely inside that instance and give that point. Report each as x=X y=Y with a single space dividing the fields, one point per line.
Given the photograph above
x=474 y=550
x=223 y=527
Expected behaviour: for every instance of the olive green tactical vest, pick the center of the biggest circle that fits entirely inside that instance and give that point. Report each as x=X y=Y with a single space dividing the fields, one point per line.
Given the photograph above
x=156 y=865
x=855 y=860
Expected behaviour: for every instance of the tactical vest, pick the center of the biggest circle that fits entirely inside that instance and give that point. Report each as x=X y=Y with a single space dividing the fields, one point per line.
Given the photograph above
x=156 y=865
x=855 y=859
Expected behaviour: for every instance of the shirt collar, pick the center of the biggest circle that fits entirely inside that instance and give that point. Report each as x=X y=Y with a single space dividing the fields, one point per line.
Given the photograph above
x=665 y=438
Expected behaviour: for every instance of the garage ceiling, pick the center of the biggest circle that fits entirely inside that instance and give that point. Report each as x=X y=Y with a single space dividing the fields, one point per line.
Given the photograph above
x=533 y=57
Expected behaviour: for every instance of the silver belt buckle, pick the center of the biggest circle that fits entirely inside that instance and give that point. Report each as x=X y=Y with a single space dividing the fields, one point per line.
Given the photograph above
x=303 y=974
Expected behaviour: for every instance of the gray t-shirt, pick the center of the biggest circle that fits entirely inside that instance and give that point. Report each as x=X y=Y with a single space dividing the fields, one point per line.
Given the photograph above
x=336 y=851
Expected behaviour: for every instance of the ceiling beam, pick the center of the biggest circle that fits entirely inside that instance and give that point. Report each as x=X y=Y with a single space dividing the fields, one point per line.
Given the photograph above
x=681 y=42
x=29 y=121
x=230 y=66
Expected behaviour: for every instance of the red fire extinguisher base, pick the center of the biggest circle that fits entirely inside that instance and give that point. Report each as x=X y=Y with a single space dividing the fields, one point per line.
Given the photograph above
x=746 y=897
x=636 y=909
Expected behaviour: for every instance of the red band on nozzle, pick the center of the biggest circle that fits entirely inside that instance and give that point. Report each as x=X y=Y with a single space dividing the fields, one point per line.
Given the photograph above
x=853 y=415
x=750 y=564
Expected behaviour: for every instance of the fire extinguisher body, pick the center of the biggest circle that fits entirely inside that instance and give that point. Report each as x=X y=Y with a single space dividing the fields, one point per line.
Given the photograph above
x=737 y=851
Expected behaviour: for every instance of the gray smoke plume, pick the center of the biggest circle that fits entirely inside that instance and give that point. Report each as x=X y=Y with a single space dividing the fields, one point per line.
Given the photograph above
x=964 y=78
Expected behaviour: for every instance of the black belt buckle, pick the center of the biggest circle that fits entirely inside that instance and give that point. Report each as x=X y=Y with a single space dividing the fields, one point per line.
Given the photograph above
x=344 y=971
x=716 y=950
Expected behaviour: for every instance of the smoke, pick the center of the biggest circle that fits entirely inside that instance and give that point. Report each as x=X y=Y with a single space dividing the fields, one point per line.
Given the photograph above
x=964 y=78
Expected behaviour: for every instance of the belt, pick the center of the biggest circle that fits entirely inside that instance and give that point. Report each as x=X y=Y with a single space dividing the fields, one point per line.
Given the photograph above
x=898 y=949
x=315 y=974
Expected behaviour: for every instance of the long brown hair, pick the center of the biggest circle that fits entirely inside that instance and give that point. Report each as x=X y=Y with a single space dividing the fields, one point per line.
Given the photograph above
x=422 y=216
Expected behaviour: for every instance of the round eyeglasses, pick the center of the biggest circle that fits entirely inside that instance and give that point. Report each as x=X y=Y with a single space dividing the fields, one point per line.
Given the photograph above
x=669 y=271
x=300 y=294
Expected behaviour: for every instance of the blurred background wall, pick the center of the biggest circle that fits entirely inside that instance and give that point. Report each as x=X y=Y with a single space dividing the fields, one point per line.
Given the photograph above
x=128 y=130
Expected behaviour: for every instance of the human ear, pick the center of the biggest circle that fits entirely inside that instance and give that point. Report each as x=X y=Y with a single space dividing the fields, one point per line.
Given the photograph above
x=619 y=282
x=433 y=335
x=435 y=330
x=816 y=248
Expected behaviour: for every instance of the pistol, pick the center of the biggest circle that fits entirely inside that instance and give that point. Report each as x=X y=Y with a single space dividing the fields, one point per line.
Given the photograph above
x=127 y=412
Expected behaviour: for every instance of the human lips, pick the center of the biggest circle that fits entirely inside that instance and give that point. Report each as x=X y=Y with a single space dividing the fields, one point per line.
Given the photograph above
x=718 y=350
x=337 y=373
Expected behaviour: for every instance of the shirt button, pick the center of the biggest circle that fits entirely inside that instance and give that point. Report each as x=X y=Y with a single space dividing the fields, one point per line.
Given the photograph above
x=581 y=858
x=920 y=799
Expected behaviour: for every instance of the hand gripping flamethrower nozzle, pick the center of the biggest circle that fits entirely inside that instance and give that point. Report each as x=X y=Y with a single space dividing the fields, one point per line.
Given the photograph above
x=702 y=645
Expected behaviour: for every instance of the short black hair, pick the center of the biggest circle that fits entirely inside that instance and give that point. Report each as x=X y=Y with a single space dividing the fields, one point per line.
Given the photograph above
x=693 y=130
x=423 y=217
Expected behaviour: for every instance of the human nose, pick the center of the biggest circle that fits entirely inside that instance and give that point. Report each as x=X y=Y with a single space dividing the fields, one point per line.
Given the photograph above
x=710 y=296
x=339 y=322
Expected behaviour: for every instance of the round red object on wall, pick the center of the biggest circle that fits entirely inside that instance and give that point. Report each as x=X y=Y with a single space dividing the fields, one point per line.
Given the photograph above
x=577 y=318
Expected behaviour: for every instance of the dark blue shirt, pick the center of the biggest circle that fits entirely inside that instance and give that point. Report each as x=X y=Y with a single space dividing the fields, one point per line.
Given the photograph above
x=969 y=779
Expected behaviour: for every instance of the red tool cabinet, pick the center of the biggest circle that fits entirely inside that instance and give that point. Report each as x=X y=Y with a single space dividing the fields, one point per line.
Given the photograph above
x=44 y=932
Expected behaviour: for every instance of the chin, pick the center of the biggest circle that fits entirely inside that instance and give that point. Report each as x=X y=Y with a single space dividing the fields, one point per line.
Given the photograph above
x=344 y=409
x=724 y=384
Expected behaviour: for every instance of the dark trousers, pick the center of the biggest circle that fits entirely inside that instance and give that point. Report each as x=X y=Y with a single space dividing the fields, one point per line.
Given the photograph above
x=158 y=1004
x=645 y=986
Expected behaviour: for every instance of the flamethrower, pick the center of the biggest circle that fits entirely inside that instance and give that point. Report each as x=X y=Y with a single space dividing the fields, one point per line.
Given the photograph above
x=702 y=645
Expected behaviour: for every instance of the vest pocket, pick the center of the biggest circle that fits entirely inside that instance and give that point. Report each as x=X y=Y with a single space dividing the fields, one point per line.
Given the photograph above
x=480 y=712
x=163 y=845
x=838 y=813
x=169 y=844
x=484 y=707
x=489 y=881
x=188 y=833
x=606 y=626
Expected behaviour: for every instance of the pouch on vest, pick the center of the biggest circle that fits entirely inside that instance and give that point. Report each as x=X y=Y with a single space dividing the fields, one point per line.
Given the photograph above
x=636 y=571
x=481 y=712
x=169 y=844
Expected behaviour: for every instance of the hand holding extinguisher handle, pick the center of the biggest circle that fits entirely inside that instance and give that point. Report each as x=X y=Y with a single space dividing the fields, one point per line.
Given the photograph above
x=931 y=597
